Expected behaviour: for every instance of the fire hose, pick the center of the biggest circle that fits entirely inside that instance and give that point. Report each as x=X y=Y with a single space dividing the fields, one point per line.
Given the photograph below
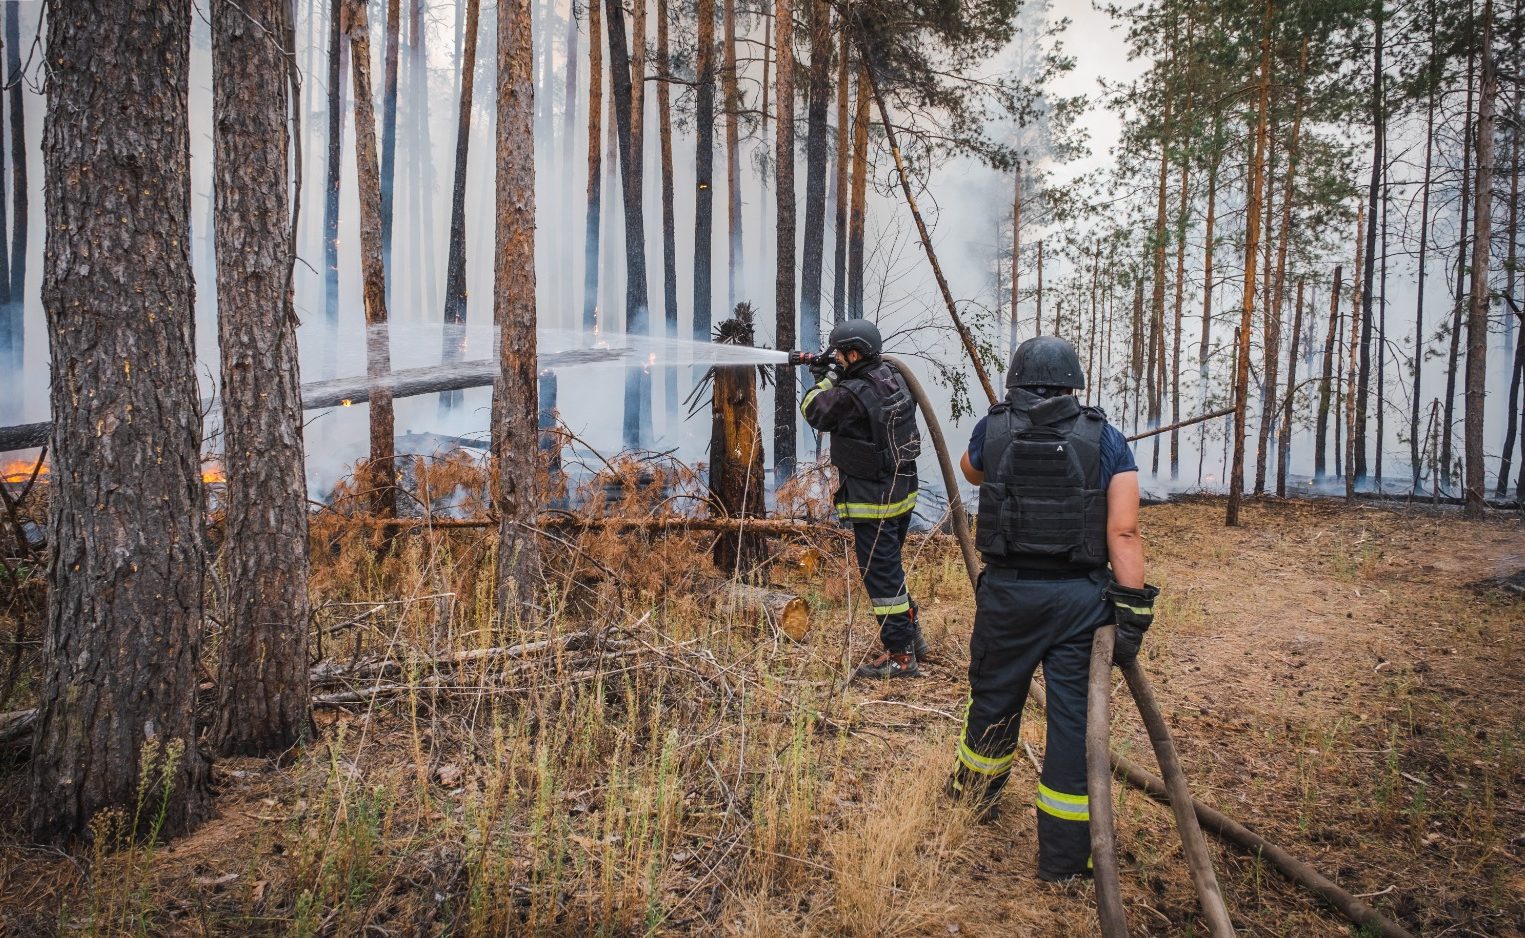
x=1191 y=815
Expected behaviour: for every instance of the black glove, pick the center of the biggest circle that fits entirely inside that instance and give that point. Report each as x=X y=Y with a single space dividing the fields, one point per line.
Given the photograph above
x=824 y=367
x=1133 y=610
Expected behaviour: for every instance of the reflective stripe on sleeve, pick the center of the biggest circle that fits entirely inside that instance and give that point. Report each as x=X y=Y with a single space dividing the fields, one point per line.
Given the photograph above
x=825 y=384
x=1063 y=806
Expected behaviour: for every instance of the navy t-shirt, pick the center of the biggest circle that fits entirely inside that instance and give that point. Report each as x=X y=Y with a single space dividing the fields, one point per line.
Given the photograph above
x=1115 y=455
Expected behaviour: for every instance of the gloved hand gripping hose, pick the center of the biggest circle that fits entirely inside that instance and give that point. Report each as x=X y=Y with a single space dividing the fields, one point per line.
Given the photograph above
x=1177 y=792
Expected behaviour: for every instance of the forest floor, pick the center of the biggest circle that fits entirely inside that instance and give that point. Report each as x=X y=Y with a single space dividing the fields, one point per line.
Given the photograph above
x=1333 y=677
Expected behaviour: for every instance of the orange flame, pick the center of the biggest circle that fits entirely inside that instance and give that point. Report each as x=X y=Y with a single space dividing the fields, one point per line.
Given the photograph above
x=20 y=470
x=211 y=472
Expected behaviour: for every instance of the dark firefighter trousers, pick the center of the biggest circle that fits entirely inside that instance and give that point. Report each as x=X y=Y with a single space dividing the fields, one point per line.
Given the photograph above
x=877 y=544
x=1023 y=619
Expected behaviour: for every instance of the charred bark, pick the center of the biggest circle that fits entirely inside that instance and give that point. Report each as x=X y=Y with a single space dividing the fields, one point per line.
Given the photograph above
x=785 y=419
x=1368 y=274
x=1016 y=250
x=1284 y=442
x=1448 y=421
x=1477 y=319
x=455 y=269
x=858 y=208
x=736 y=450
x=1415 y=457
x=19 y=191
x=669 y=214
x=812 y=268
x=732 y=92
x=1326 y=388
x=338 y=60
x=595 y=167
x=116 y=722
x=704 y=173
x=840 y=182
x=637 y=424
x=515 y=406
x=262 y=676
x=389 y=130
x=381 y=468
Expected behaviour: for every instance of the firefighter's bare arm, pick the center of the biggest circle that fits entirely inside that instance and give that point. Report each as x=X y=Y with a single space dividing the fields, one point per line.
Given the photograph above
x=1125 y=547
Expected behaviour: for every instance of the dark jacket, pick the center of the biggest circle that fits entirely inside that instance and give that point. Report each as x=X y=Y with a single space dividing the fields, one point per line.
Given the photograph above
x=874 y=441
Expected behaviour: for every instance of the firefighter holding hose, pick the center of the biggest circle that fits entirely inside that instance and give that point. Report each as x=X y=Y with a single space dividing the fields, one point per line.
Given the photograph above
x=1059 y=501
x=863 y=403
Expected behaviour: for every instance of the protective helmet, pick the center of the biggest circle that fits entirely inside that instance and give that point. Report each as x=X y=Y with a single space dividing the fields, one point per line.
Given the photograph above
x=1045 y=361
x=857 y=334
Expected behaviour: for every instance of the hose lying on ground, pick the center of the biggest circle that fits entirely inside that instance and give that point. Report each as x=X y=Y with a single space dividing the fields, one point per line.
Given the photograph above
x=1109 y=893
x=1213 y=820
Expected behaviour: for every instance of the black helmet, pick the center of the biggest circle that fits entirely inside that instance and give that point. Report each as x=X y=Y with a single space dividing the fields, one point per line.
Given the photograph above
x=857 y=334
x=1045 y=361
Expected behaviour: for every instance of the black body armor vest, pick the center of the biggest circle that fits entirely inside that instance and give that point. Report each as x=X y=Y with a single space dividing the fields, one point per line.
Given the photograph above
x=1041 y=505
x=894 y=441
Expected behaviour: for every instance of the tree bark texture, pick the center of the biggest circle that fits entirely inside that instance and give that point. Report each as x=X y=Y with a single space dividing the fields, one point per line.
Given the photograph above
x=1477 y=318
x=812 y=267
x=1368 y=274
x=637 y=424
x=1284 y=441
x=669 y=212
x=338 y=60
x=595 y=166
x=1326 y=387
x=389 y=128
x=1182 y=221
x=262 y=674
x=455 y=268
x=1415 y=458
x=381 y=467
x=785 y=377
x=1209 y=232
x=13 y=315
x=515 y=404
x=841 y=183
x=1353 y=367
x=704 y=173
x=736 y=256
x=1016 y=251
x=1448 y=421
x=736 y=451
x=1251 y=255
x=116 y=725
x=857 y=212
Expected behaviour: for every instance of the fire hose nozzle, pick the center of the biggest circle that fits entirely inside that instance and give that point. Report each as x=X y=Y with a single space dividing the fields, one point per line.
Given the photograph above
x=803 y=358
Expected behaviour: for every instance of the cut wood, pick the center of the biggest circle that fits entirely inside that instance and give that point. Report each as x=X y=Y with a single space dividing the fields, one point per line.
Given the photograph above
x=785 y=612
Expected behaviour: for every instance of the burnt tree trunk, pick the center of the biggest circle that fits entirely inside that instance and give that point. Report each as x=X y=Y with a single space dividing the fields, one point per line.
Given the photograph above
x=381 y=471
x=637 y=424
x=1477 y=318
x=13 y=314
x=840 y=182
x=567 y=315
x=1182 y=221
x=1208 y=235
x=704 y=172
x=595 y=167
x=1512 y=296
x=1415 y=457
x=736 y=450
x=389 y=130
x=1353 y=366
x=455 y=268
x=732 y=93
x=1016 y=249
x=1326 y=388
x=1368 y=274
x=338 y=61
x=1448 y=420
x=1251 y=255
x=669 y=213
x=262 y=692
x=116 y=714
x=857 y=212
x=515 y=406
x=812 y=267
x=785 y=420
x=1284 y=442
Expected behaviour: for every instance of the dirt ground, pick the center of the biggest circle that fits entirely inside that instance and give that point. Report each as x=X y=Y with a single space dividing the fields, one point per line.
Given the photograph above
x=1332 y=677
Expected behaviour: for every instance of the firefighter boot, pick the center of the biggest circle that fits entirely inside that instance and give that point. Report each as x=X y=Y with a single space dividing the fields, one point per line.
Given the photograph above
x=890 y=665
x=923 y=653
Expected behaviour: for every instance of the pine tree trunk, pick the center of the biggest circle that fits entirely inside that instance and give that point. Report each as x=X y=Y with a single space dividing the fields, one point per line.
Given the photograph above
x=1326 y=388
x=1477 y=320
x=731 y=88
x=1016 y=251
x=423 y=225
x=1353 y=368
x=1368 y=274
x=389 y=130
x=13 y=338
x=1209 y=234
x=736 y=452
x=858 y=209
x=785 y=424
x=1038 y=298
x=262 y=677
x=1154 y=366
x=1136 y=345
x=1415 y=457
x=1182 y=220
x=590 y=306
x=638 y=84
x=1268 y=267
x=567 y=315
x=455 y=269
x=840 y=196
x=1251 y=255
x=669 y=212
x=637 y=423
x=338 y=61
x=1448 y=421
x=116 y=714
x=704 y=173
x=381 y=468
x=812 y=268
x=1092 y=375
x=515 y=405
x=1381 y=382
x=1511 y=291
x=1284 y=443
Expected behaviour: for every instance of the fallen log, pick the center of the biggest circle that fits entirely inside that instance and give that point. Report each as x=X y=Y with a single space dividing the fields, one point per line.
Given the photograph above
x=786 y=612
x=764 y=526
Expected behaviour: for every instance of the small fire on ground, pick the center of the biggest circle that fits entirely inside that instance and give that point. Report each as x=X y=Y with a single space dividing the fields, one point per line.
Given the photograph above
x=19 y=471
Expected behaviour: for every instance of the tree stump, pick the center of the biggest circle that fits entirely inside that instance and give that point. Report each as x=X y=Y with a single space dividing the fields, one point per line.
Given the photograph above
x=788 y=613
x=736 y=450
